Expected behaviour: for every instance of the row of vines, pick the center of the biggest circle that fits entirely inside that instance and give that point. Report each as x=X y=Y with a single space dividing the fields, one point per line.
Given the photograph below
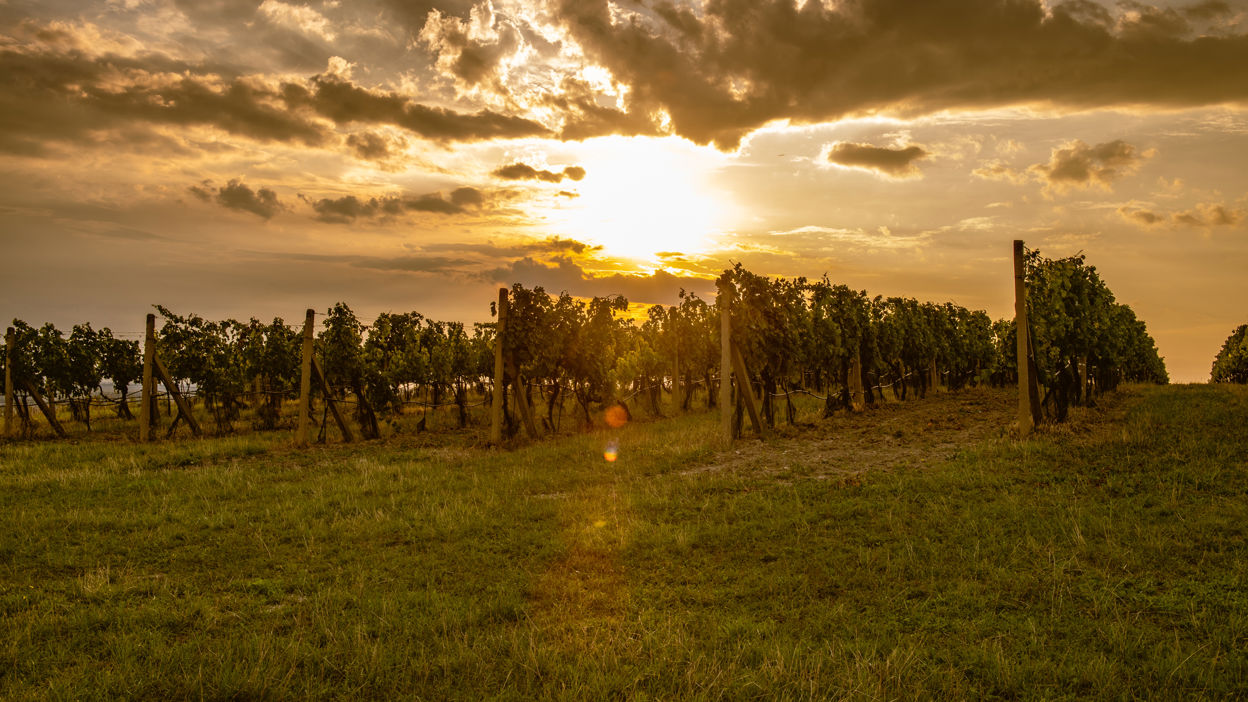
x=566 y=358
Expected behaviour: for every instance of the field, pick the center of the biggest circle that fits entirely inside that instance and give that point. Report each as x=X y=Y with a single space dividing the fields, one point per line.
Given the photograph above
x=914 y=551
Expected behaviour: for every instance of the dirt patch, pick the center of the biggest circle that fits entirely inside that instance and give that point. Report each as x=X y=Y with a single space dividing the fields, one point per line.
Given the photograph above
x=897 y=435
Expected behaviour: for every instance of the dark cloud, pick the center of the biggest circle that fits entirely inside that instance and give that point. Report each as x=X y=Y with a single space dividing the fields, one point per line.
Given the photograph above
x=471 y=56
x=895 y=163
x=552 y=245
x=55 y=91
x=1075 y=164
x=523 y=171
x=375 y=146
x=1205 y=215
x=236 y=195
x=346 y=103
x=1147 y=218
x=403 y=263
x=1207 y=10
x=730 y=66
x=467 y=197
x=564 y=275
x=50 y=96
x=584 y=115
x=349 y=208
x=412 y=264
x=1209 y=215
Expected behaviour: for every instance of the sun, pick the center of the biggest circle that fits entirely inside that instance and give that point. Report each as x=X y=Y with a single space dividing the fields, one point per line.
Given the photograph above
x=642 y=196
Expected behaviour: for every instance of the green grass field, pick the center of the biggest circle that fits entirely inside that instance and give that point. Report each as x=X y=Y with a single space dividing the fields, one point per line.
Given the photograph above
x=917 y=551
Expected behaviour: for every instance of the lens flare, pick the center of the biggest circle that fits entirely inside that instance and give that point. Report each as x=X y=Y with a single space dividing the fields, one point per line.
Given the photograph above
x=612 y=452
x=616 y=416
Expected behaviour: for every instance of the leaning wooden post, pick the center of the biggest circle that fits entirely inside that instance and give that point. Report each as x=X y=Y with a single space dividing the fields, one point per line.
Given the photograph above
x=1021 y=331
x=725 y=361
x=149 y=391
x=496 y=409
x=305 y=379
x=9 y=336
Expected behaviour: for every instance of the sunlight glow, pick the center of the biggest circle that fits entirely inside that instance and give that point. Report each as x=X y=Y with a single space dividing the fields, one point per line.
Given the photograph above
x=641 y=196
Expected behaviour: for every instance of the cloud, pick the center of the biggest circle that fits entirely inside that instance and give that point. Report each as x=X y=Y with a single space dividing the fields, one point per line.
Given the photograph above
x=467 y=197
x=471 y=49
x=1077 y=165
x=56 y=92
x=551 y=245
x=299 y=17
x=1146 y=218
x=347 y=209
x=235 y=195
x=996 y=169
x=1209 y=215
x=346 y=103
x=562 y=274
x=522 y=171
x=1207 y=10
x=400 y=263
x=1203 y=215
x=50 y=96
x=376 y=146
x=891 y=162
x=725 y=68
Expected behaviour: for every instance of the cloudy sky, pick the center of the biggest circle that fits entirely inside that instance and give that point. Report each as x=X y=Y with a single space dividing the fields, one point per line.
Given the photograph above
x=258 y=157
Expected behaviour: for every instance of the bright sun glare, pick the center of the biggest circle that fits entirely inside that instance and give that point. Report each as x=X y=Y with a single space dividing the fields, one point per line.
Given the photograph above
x=642 y=196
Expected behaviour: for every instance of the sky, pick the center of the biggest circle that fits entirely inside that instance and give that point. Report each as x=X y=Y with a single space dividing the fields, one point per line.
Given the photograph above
x=254 y=158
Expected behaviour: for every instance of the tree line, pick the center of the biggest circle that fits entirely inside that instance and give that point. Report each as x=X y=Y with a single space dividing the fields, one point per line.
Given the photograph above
x=565 y=358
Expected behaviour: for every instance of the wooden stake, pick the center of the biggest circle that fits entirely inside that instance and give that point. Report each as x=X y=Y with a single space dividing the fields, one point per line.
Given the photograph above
x=49 y=410
x=746 y=390
x=725 y=361
x=496 y=409
x=676 y=377
x=331 y=403
x=522 y=404
x=149 y=385
x=184 y=407
x=1021 y=332
x=857 y=399
x=9 y=336
x=305 y=379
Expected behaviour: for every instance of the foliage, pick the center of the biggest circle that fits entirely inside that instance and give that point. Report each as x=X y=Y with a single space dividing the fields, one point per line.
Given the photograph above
x=1231 y=363
x=1075 y=322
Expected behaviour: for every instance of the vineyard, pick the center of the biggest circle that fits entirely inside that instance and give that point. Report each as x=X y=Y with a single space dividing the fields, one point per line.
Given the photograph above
x=555 y=362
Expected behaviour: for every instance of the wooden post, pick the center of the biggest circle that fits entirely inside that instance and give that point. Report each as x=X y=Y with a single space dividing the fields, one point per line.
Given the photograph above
x=1083 y=381
x=1021 y=332
x=725 y=361
x=523 y=407
x=9 y=336
x=48 y=408
x=676 y=377
x=857 y=399
x=496 y=409
x=746 y=391
x=331 y=403
x=305 y=378
x=184 y=407
x=149 y=384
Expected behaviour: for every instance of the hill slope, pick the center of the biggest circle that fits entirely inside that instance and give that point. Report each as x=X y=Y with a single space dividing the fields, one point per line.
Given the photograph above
x=915 y=551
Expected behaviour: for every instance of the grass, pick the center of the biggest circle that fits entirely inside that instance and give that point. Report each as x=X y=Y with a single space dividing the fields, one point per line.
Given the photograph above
x=1106 y=559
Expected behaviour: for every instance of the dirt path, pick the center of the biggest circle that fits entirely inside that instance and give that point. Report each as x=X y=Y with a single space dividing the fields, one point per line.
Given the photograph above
x=892 y=436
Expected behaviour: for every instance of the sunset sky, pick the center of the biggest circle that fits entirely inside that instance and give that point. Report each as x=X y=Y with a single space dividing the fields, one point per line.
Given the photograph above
x=257 y=157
